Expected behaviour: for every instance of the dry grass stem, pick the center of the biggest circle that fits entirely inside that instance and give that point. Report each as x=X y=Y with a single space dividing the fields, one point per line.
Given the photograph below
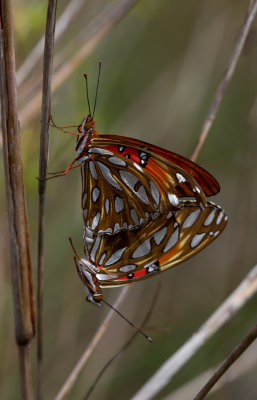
x=247 y=362
x=225 y=81
x=92 y=345
x=246 y=289
x=125 y=346
x=17 y=215
x=233 y=356
x=104 y=23
x=36 y=53
x=43 y=161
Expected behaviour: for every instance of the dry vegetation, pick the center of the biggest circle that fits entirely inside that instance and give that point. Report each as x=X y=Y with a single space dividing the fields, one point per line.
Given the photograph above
x=162 y=64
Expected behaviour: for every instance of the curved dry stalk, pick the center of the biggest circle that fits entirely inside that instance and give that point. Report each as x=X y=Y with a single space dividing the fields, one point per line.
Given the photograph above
x=21 y=271
x=246 y=289
x=92 y=345
x=105 y=22
x=125 y=346
x=36 y=53
x=225 y=81
x=247 y=362
x=43 y=162
x=233 y=356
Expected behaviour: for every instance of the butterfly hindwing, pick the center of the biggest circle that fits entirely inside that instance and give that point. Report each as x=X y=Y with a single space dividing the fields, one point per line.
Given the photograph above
x=156 y=245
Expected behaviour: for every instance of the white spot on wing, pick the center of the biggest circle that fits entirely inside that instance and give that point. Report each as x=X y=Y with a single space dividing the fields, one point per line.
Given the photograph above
x=108 y=176
x=127 y=268
x=142 y=250
x=159 y=236
x=118 y=204
x=172 y=240
x=107 y=206
x=190 y=219
x=221 y=215
x=134 y=216
x=180 y=178
x=95 y=220
x=210 y=218
x=102 y=258
x=115 y=256
x=105 y=277
x=155 y=192
x=84 y=199
x=142 y=195
x=93 y=170
x=95 y=248
x=97 y=150
x=117 y=161
x=95 y=194
x=197 y=239
x=173 y=199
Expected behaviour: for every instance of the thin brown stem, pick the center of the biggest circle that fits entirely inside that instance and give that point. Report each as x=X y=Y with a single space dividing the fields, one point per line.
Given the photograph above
x=43 y=165
x=99 y=28
x=233 y=356
x=89 y=350
x=233 y=303
x=125 y=346
x=225 y=81
x=17 y=215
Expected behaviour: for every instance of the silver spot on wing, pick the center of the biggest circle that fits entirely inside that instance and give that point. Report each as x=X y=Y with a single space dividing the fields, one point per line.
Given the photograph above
x=95 y=220
x=134 y=216
x=95 y=248
x=118 y=204
x=127 y=268
x=197 y=239
x=115 y=256
x=117 y=161
x=180 y=178
x=173 y=239
x=105 y=277
x=160 y=235
x=97 y=150
x=107 y=206
x=84 y=199
x=210 y=218
x=93 y=170
x=95 y=194
x=190 y=219
x=102 y=258
x=106 y=172
x=129 y=179
x=221 y=215
x=173 y=199
x=155 y=192
x=142 y=250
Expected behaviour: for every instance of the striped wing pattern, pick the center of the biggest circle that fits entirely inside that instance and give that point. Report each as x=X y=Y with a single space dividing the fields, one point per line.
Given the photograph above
x=121 y=192
x=144 y=209
x=156 y=245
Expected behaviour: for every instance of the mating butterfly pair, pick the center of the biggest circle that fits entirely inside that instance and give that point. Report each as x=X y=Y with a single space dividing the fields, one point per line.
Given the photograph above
x=144 y=209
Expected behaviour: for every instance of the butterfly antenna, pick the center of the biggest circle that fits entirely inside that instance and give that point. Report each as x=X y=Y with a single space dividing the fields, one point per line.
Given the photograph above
x=130 y=323
x=97 y=85
x=89 y=109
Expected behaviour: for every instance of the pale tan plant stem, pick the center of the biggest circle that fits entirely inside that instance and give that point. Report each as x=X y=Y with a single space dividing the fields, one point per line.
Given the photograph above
x=225 y=81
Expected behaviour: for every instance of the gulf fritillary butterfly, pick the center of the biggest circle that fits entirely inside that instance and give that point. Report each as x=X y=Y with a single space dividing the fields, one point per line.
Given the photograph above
x=139 y=220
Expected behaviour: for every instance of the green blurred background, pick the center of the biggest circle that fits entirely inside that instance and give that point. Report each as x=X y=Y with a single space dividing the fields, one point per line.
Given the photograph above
x=161 y=66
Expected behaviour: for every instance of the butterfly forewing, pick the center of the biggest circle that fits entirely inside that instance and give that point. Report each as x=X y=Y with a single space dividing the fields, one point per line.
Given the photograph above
x=156 y=245
x=208 y=183
x=123 y=187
